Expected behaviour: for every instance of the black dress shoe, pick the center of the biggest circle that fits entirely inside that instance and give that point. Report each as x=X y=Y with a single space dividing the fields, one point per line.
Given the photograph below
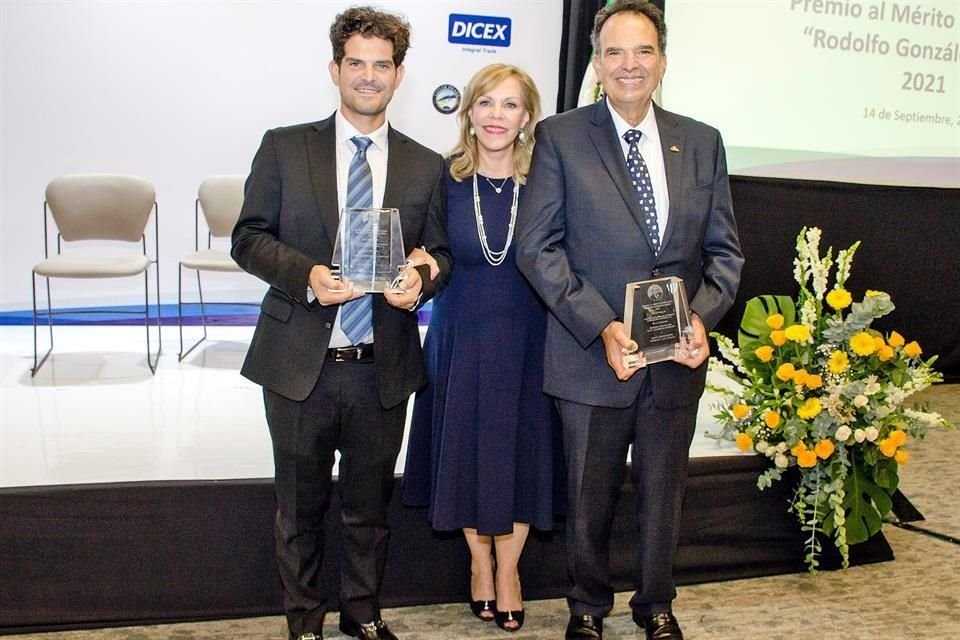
x=659 y=626
x=376 y=630
x=584 y=627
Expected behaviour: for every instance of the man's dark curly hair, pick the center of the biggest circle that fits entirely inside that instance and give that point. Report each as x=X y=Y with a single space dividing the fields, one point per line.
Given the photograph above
x=370 y=23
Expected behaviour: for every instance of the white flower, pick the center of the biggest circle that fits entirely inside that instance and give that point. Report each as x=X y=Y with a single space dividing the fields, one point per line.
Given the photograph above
x=861 y=401
x=781 y=461
x=859 y=435
x=925 y=418
x=762 y=446
x=872 y=433
x=871 y=386
x=882 y=411
x=843 y=434
x=781 y=447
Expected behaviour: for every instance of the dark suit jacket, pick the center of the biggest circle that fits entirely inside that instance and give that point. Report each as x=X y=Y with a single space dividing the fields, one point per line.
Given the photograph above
x=581 y=239
x=289 y=223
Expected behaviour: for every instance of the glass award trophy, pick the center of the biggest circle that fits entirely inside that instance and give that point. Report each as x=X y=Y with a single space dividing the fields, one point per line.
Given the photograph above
x=657 y=318
x=369 y=248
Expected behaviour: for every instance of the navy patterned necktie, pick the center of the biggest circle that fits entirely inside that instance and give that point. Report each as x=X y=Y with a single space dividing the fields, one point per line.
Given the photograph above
x=640 y=176
x=356 y=316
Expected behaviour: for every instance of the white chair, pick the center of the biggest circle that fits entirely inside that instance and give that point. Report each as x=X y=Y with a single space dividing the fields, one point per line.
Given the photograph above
x=219 y=198
x=113 y=211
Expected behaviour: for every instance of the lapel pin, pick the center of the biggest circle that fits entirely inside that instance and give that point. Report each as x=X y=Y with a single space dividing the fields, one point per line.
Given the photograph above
x=675 y=149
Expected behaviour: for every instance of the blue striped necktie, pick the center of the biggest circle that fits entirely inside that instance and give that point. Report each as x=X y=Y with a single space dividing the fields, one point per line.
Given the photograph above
x=356 y=316
x=640 y=176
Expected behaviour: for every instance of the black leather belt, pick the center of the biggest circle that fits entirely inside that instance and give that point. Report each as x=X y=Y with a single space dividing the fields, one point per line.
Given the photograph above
x=355 y=353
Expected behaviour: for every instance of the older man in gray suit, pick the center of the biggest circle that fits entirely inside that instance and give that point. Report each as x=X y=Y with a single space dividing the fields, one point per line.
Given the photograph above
x=622 y=191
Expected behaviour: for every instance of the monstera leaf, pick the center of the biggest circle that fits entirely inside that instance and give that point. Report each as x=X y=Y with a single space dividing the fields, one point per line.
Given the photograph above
x=753 y=326
x=865 y=503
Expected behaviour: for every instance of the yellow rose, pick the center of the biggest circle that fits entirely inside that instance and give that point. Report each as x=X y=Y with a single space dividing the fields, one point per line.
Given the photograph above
x=798 y=448
x=785 y=371
x=800 y=377
x=839 y=299
x=887 y=447
x=872 y=292
x=912 y=349
x=740 y=411
x=814 y=381
x=902 y=456
x=778 y=337
x=765 y=353
x=862 y=344
x=810 y=409
x=775 y=321
x=885 y=353
x=898 y=437
x=824 y=449
x=744 y=442
x=838 y=362
x=879 y=342
x=895 y=340
x=807 y=459
x=797 y=333
x=771 y=419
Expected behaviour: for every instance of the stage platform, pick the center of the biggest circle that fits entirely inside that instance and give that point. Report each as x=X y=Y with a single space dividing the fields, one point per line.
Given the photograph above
x=127 y=497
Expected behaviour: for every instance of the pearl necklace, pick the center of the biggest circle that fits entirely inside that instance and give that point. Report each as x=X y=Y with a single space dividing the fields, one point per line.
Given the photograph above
x=495 y=258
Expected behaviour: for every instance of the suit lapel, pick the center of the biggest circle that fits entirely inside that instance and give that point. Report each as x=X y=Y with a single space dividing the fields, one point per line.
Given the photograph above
x=604 y=137
x=672 y=147
x=322 y=155
x=397 y=165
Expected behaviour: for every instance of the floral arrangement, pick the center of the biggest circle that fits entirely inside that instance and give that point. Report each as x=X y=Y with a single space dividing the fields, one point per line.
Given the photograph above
x=810 y=385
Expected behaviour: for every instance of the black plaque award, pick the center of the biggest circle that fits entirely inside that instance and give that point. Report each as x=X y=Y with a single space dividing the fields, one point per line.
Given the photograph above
x=657 y=318
x=369 y=248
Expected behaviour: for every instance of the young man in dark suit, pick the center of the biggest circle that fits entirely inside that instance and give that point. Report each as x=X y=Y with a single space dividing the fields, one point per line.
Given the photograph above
x=337 y=366
x=623 y=191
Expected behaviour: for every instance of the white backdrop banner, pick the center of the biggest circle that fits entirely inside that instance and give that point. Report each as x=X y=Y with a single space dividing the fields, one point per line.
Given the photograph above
x=178 y=91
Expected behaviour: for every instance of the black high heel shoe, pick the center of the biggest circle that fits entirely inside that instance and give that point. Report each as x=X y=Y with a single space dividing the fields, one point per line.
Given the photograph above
x=481 y=607
x=503 y=617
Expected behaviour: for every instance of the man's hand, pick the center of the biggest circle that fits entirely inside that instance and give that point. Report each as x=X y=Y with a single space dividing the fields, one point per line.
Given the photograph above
x=406 y=290
x=420 y=256
x=696 y=348
x=617 y=344
x=330 y=290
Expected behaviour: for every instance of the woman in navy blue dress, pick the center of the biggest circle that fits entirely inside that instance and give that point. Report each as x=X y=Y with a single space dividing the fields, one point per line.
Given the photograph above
x=481 y=452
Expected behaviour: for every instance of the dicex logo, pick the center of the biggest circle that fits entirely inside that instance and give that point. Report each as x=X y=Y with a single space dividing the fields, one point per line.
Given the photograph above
x=485 y=30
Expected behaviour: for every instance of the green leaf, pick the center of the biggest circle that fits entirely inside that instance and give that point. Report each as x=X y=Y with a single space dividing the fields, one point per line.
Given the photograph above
x=886 y=475
x=865 y=504
x=753 y=325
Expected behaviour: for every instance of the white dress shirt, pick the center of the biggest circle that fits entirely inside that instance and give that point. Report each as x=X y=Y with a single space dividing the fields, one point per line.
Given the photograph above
x=652 y=154
x=377 y=159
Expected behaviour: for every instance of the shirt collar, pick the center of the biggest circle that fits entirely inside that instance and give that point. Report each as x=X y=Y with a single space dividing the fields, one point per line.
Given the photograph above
x=345 y=131
x=647 y=126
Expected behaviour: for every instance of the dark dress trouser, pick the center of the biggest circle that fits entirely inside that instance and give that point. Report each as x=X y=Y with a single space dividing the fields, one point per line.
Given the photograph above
x=596 y=440
x=342 y=412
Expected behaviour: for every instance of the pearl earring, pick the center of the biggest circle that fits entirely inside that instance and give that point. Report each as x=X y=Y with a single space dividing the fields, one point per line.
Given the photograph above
x=522 y=137
x=473 y=132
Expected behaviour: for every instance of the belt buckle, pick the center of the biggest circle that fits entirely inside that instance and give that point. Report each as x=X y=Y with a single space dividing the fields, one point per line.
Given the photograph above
x=357 y=351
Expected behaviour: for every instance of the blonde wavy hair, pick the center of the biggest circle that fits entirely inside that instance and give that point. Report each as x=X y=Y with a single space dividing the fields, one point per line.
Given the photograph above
x=465 y=155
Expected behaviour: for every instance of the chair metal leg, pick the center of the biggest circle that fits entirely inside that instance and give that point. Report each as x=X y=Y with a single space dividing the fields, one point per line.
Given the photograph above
x=203 y=316
x=146 y=319
x=33 y=287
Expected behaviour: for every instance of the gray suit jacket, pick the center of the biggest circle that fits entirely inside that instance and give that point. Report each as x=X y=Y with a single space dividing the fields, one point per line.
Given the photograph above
x=289 y=223
x=581 y=239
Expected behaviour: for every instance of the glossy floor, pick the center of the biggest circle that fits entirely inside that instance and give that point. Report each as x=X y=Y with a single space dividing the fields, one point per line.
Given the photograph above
x=94 y=412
